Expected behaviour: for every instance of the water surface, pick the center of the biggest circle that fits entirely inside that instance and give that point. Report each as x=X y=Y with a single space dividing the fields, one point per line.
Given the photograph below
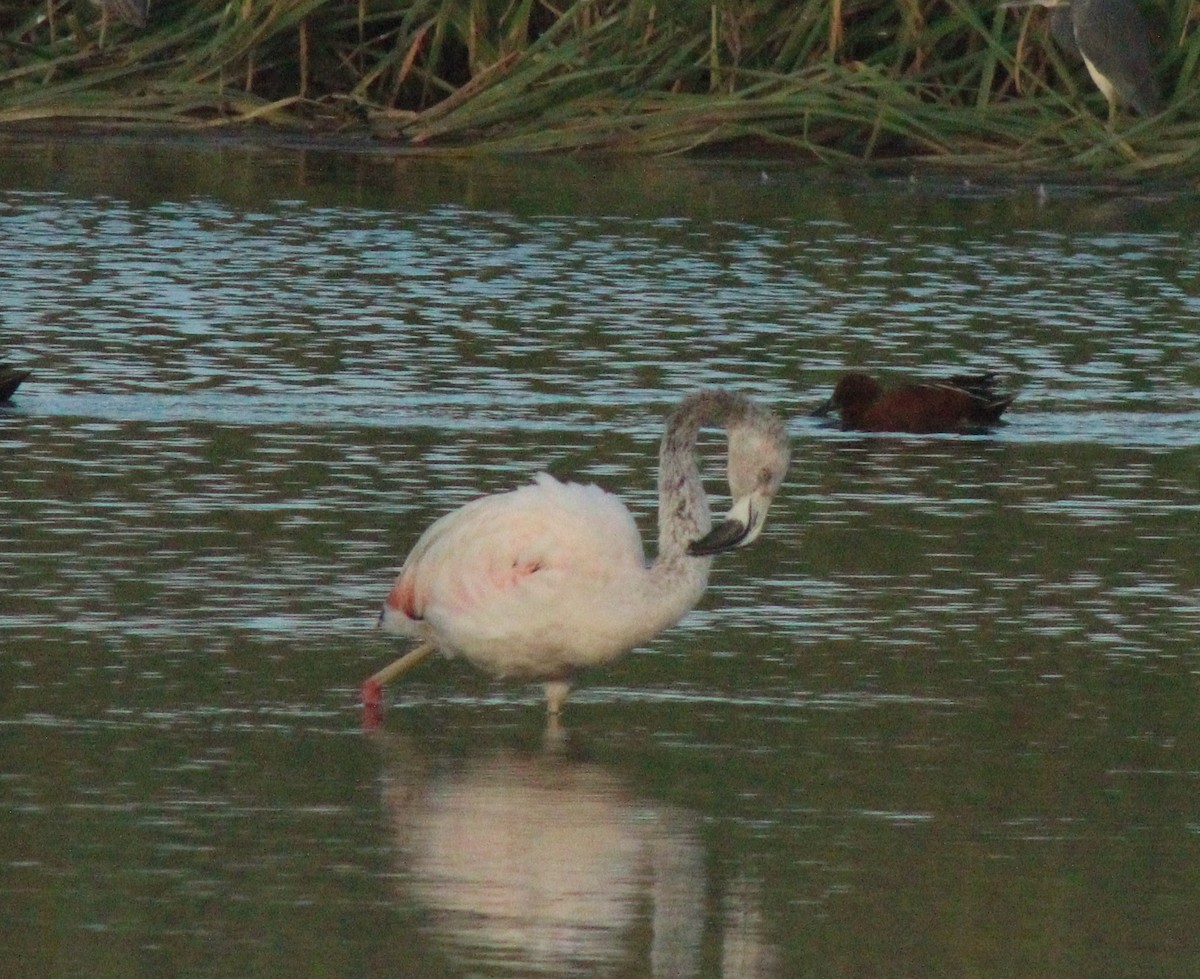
x=940 y=721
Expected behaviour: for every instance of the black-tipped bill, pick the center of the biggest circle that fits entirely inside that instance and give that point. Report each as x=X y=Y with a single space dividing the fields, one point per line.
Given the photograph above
x=725 y=536
x=741 y=526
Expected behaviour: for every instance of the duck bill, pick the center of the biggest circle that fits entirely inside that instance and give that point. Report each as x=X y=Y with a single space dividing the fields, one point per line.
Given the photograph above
x=823 y=409
x=741 y=526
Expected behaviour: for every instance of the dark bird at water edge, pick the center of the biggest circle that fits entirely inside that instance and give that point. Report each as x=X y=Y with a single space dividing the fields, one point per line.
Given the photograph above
x=10 y=380
x=963 y=403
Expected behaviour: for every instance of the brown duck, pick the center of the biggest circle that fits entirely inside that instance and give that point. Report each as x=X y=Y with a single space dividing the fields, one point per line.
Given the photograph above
x=957 y=404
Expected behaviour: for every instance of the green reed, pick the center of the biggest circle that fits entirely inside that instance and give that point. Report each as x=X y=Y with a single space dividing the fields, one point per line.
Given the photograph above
x=953 y=82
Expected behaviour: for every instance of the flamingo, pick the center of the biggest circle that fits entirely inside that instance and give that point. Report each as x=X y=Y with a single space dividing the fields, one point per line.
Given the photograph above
x=541 y=581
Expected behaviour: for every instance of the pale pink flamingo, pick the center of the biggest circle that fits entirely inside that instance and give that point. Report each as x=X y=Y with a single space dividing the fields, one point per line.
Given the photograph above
x=542 y=581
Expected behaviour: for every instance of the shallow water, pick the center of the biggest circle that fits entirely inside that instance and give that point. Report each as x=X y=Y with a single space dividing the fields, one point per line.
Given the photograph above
x=941 y=720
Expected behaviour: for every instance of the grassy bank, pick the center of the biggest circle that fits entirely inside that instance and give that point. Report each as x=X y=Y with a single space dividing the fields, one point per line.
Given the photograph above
x=842 y=81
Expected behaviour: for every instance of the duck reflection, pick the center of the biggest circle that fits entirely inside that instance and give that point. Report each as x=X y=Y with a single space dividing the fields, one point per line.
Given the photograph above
x=543 y=864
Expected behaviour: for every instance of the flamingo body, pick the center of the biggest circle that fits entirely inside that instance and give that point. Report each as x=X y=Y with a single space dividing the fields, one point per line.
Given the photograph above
x=550 y=578
x=527 y=584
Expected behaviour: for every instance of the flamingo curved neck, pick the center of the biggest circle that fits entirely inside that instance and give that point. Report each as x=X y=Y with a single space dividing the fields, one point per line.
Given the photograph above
x=674 y=582
x=683 y=510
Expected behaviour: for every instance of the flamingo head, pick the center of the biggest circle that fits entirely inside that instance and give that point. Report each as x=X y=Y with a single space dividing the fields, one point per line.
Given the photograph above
x=758 y=460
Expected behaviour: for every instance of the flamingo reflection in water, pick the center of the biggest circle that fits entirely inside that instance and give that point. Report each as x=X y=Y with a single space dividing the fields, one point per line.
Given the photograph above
x=542 y=581
x=556 y=866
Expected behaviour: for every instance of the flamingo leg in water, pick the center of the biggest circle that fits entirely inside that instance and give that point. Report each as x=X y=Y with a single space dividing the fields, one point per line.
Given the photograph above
x=373 y=685
x=556 y=696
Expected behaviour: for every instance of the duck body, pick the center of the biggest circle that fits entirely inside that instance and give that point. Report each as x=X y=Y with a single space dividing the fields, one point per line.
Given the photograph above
x=963 y=403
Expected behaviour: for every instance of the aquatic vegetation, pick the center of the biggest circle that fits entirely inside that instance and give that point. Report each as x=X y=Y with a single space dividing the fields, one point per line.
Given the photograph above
x=835 y=80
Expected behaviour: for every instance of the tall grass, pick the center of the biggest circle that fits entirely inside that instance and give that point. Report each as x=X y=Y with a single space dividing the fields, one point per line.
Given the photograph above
x=952 y=81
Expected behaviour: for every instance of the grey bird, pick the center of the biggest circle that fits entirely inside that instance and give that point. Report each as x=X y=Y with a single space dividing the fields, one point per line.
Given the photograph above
x=1113 y=40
